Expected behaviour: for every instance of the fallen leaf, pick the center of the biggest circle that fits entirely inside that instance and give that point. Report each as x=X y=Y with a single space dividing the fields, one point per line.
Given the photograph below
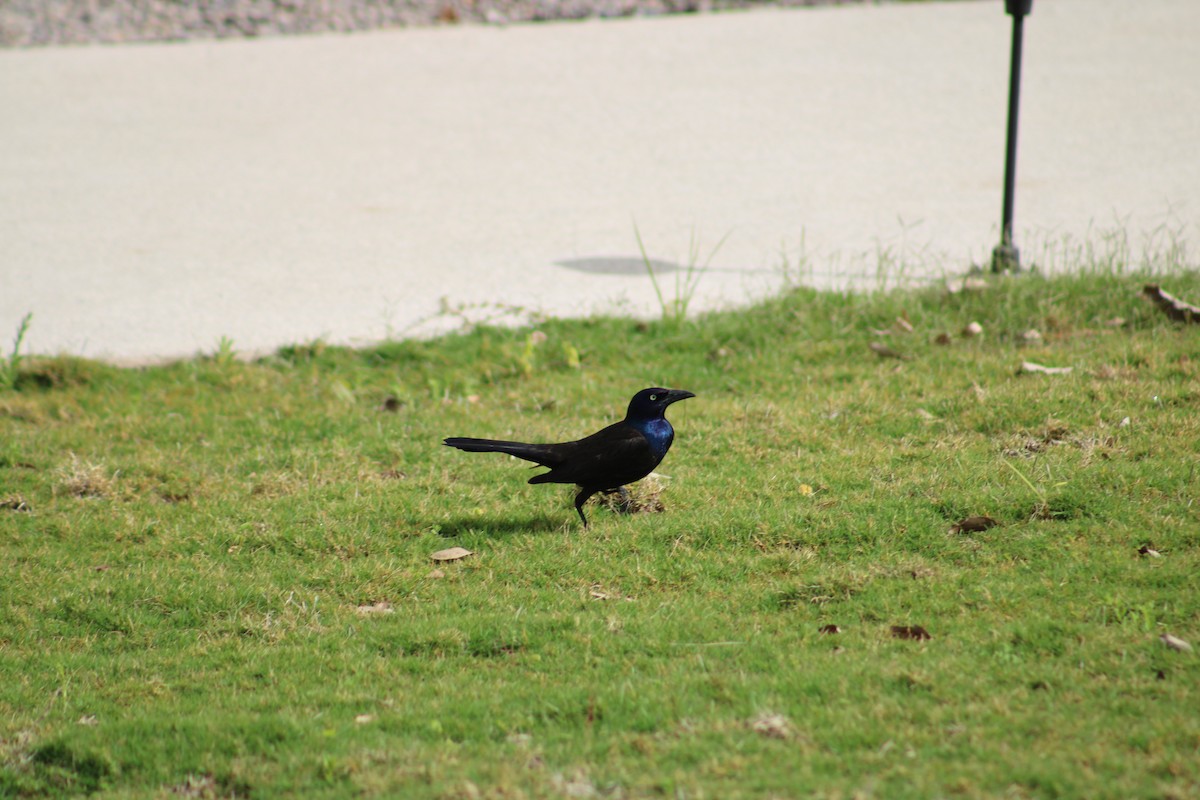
x=363 y=719
x=943 y=339
x=883 y=351
x=1124 y=423
x=88 y=719
x=1115 y=322
x=382 y=607
x=902 y=325
x=1175 y=643
x=830 y=629
x=597 y=593
x=1147 y=550
x=968 y=284
x=1055 y=431
x=973 y=524
x=100 y=568
x=436 y=574
x=197 y=786
x=911 y=632
x=972 y=329
x=577 y=786
x=1031 y=336
x=15 y=504
x=773 y=726
x=451 y=554
x=1028 y=368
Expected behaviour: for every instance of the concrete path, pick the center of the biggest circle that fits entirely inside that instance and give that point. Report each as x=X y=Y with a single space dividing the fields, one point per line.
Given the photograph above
x=156 y=198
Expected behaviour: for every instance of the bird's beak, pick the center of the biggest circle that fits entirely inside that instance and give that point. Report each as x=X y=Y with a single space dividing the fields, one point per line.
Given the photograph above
x=675 y=395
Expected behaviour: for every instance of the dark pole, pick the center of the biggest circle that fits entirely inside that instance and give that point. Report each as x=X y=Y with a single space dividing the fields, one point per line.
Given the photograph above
x=1006 y=257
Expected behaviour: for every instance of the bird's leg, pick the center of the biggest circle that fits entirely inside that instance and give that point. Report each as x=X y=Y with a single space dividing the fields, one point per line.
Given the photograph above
x=626 y=503
x=580 y=499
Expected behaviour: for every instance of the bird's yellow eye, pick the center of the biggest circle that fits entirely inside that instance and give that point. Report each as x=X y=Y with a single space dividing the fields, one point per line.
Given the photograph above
x=653 y=397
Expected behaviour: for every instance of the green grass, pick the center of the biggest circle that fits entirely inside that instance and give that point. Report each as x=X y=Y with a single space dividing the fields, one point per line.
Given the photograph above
x=180 y=603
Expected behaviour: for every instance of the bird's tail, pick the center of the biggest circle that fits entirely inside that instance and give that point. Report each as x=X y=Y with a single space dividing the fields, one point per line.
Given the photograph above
x=537 y=453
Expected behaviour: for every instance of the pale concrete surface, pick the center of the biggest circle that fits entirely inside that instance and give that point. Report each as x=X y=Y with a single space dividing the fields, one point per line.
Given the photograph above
x=158 y=197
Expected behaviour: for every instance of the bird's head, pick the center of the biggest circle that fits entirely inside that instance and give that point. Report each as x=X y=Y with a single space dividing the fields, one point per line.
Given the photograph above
x=651 y=403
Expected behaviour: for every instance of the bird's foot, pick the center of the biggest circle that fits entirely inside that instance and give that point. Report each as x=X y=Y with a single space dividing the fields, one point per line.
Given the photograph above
x=624 y=503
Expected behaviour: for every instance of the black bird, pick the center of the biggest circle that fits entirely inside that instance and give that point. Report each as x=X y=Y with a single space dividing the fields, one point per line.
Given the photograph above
x=622 y=453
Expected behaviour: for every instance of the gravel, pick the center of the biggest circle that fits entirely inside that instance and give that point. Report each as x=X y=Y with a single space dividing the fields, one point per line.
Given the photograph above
x=31 y=23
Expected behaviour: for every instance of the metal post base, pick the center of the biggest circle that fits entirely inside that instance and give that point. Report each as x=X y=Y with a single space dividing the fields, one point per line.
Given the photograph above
x=1006 y=258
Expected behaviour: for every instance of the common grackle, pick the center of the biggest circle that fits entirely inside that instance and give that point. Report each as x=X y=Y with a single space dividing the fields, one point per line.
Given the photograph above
x=622 y=453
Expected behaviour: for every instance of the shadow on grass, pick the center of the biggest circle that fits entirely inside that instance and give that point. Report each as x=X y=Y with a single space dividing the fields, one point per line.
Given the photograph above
x=539 y=523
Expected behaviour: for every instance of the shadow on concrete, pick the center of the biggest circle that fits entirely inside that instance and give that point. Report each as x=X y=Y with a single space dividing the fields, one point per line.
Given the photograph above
x=617 y=265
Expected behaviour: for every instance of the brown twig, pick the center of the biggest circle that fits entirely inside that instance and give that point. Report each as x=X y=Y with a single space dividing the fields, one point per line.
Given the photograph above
x=1172 y=306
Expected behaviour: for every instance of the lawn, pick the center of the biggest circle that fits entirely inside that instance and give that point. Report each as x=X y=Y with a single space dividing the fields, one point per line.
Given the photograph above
x=218 y=578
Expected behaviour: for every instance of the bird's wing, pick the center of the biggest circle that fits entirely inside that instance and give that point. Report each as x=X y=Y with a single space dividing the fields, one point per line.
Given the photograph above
x=609 y=458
